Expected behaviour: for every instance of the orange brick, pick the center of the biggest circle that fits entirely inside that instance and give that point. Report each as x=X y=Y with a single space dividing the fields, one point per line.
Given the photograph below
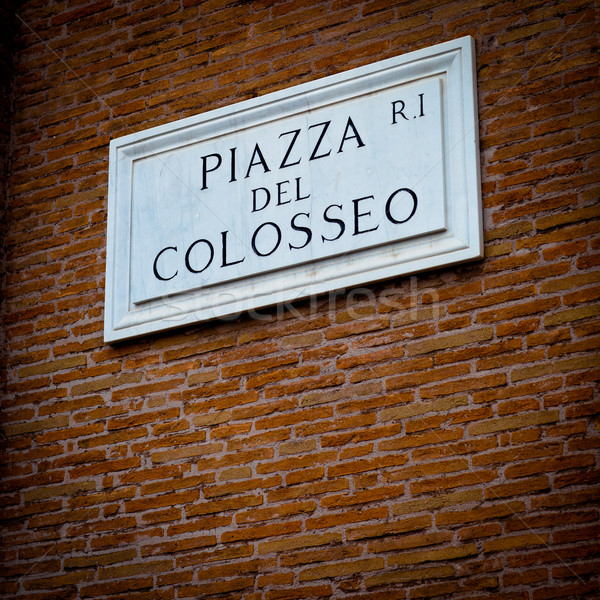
x=515 y=541
x=58 y=581
x=341 y=569
x=445 y=342
x=376 y=531
x=279 y=375
x=170 y=455
x=258 y=365
x=427 y=469
x=443 y=554
x=305 y=541
x=346 y=517
x=241 y=486
x=517 y=488
x=403 y=576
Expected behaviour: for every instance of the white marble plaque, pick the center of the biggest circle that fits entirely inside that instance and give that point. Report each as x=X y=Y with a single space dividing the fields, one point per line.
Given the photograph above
x=349 y=179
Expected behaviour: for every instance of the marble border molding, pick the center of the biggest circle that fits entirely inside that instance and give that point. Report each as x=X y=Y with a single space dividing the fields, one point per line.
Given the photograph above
x=350 y=179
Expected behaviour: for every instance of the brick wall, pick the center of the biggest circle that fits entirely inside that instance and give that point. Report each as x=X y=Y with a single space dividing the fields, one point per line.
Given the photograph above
x=428 y=436
x=7 y=28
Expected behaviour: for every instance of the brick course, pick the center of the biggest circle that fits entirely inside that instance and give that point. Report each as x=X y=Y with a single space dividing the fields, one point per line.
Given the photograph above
x=434 y=435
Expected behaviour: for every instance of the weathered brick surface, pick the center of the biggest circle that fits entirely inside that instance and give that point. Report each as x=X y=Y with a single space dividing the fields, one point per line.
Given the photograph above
x=435 y=436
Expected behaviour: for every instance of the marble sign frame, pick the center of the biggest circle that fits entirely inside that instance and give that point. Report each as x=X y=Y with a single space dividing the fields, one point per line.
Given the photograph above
x=444 y=232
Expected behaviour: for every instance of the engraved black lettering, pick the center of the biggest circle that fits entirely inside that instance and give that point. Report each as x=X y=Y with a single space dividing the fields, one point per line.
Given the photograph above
x=305 y=230
x=255 y=234
x=398 y=111
x=388 y=206
x=281 y=192
x=224 y=262
x=155 y=265
x=339 y=222
x=257 y=153
x=298 y=196
x=188 y=265
x=354 y=136
x=284 y=164
x=357 y=216
x=267 y=199
x=233 y=178
x=325 y=126
x=206 y=170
